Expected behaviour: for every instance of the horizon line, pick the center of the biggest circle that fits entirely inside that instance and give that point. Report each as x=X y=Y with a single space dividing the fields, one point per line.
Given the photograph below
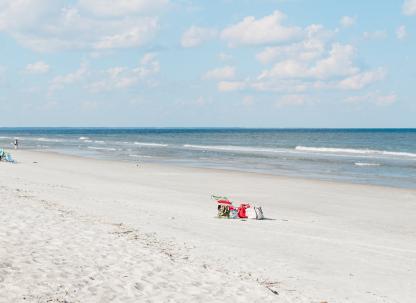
x=191 y=127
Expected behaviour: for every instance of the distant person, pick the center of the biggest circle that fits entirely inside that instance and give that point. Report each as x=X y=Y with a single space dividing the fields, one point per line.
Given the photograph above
x=16 y=144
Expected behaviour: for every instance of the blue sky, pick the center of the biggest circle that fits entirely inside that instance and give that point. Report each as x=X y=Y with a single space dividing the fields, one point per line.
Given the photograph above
x=167 y=63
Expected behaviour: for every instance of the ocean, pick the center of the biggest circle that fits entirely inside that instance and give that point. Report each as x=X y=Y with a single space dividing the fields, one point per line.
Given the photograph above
x=368 y=156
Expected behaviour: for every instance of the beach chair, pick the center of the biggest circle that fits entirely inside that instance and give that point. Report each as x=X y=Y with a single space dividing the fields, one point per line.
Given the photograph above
x=6 y=156
x=224 y=207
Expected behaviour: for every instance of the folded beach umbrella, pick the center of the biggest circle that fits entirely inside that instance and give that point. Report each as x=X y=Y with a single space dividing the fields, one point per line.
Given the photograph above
x=221 y=200
x=218 y=197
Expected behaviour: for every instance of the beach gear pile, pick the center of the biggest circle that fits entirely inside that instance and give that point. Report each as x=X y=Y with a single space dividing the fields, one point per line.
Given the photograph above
x=227 y=210
x=4 y=156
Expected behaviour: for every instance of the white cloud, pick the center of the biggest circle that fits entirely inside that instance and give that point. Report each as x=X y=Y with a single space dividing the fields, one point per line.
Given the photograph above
x=362 y=79
x=116 y=78
x=312 y=64
x=375 y=35
x=128 y=36
x=286 y=69
x=221 y=73
x=39 y=67
x=149 y=66
x=335 y=71
x=266 y=30
x=374 y=98
x=309 y=64
x=110 y=8
x=50 y=25
x=298 y=84
x=23 y=14
x=61 y=81
x=401 y=32
x=347 y=21
x=409 y=7
x=270 y=54
x=195 y=36
x=312 y=47
x=339 y=62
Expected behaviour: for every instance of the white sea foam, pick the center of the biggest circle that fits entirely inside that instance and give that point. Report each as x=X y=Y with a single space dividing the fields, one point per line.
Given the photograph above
x=49 y=140
x=233 y=148
x=139 y=156
x=83 y=138
x=304 y=149
x=355 y=151
x=366 y=164
x=151 y=144
x=99 y=141
x=102 y=148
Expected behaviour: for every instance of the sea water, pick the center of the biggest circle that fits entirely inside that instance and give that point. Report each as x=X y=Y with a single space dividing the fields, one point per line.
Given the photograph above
x=369 y=156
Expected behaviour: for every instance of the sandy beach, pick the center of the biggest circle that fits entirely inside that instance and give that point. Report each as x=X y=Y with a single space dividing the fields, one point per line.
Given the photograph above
x=84 y=230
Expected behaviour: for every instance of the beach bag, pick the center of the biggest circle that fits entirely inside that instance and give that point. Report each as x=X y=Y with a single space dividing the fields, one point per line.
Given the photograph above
x=259 y=212
x=223 y=211
x=242 y=211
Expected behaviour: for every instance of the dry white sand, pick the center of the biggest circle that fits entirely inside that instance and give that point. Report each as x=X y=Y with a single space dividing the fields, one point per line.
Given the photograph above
x=84 y=230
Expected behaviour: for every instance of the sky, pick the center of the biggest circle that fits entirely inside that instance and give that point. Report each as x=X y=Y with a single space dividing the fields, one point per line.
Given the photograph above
x=217 y=63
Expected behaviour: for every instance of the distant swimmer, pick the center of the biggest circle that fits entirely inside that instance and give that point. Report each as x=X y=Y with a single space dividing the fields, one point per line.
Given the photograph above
x=16 y=144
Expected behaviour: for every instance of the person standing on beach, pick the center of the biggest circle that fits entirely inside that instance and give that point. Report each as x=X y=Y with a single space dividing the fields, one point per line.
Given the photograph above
x=16 y=143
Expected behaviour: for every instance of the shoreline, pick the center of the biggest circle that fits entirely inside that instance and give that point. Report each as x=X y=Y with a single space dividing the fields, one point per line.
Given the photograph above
x=228 y=170
x=325 y=241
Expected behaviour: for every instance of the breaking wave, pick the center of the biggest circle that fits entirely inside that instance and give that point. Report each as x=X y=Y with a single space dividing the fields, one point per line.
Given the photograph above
x=235 y=148
x=139 y=156
x=102 y=148
x=50 y=140
x=150 y=144
x=354 y=151
x=366 y=164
